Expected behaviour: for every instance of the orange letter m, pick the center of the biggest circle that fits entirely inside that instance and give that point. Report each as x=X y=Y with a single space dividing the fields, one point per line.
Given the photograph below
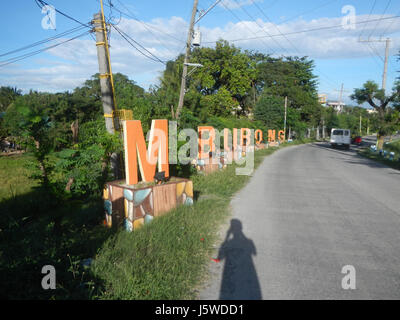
x=137 y=153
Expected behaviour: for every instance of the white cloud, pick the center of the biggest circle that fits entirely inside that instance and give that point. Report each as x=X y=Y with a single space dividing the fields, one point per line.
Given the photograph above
x=236 y=4
x=76 y=61
x=335 y=43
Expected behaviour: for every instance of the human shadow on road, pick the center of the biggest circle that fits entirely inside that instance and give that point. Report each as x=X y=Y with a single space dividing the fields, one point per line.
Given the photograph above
x=239 y=278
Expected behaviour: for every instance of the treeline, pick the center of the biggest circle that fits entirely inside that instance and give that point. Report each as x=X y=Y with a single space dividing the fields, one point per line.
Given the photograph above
x=234 y=88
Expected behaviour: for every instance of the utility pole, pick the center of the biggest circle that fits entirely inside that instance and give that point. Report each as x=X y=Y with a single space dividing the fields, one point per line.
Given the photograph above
x=184 y=73
x=360 y=124
x=340 y=97
x=385 y=64
x=387 y=41
x=284 y=123
x=106 y=80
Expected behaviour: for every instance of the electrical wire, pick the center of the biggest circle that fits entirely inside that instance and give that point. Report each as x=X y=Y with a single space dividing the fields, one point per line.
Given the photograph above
x=132 y=16
x=261 y=27
x=309 y=11
x=370 y=12
x=387 y=6
x=42 y=3
x=129 y=39
x=237 y=18
x=27 y=55
x=147 y=28
x=43 y=41
x=276 y=27
x=387 y=28
x=328 y=79
x=306 y=31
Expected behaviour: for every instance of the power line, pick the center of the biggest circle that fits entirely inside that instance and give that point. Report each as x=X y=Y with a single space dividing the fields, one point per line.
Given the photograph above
x=27 y=55
x=227 y=8
x=261 y=27
x=387 y=6
x=132 y=16
x=374 y=50
x=386 y=29
x=42 y=3
x=145 y=25
x=309 y=11
x=43 y=41
x=308 y=30
x=290 y=42
x=276 y=27
x=129 y=39
x=372 y=9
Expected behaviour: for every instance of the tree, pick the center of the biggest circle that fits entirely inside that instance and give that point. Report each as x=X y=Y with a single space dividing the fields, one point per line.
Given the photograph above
x=228 y=74
x=387 y=116
x=31 y=122
x=7 y=96
x=291 y=77
x=270 y=111
x=170 y=81
x=219 y=88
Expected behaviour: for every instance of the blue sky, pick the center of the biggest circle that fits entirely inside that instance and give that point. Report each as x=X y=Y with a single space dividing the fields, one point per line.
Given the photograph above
x=161 y=27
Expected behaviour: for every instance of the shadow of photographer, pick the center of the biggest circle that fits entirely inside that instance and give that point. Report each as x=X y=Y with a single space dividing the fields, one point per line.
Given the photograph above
x=239 y=278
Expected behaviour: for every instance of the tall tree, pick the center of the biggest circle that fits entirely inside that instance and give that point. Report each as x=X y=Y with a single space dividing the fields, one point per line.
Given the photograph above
x=7 y=96
x=219 y=88
x=292 y=77
x=387 y=117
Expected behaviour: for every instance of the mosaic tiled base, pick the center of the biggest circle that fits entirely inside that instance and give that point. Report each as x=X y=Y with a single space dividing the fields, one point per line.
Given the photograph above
x=133 y=208
x=261 y=146
x=206 y=166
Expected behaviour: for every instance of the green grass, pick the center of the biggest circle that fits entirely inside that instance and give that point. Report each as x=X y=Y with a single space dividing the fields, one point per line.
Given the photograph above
x=163 y=260
x=390 y=147
x=14 y=176
x=393 y=146
x=29 y=238
x=167 y=258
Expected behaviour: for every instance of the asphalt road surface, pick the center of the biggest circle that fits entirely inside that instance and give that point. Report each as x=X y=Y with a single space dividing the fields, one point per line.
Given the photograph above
x=307 y=212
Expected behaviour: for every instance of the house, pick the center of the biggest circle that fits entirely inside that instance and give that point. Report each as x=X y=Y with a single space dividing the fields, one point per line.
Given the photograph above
x=337 y=106
x=322 y=97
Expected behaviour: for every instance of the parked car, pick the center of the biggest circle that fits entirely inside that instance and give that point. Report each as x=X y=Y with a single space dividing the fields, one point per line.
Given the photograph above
x=340 y=137
x=357 y=140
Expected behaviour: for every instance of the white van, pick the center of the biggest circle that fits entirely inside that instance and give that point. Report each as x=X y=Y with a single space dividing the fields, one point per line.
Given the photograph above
x=340 y=137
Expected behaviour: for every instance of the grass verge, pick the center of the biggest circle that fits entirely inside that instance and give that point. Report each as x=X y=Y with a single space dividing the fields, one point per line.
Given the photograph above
x=14 y=176
x=30 y=240
x=167 y=258
x=390 y=147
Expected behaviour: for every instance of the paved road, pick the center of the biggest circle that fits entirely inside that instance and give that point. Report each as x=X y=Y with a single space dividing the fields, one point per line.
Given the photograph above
x=308 y=211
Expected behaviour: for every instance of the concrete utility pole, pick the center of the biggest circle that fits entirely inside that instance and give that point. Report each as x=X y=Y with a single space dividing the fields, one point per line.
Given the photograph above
x=385 y=64
x=387 y=41
x=341 y=91
x=106 y=86
x=340 y=97
x=106 y=81
x=187 y=53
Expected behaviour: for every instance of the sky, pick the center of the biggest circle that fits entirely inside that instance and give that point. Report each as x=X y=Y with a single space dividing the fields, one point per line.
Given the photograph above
x=273 y=27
